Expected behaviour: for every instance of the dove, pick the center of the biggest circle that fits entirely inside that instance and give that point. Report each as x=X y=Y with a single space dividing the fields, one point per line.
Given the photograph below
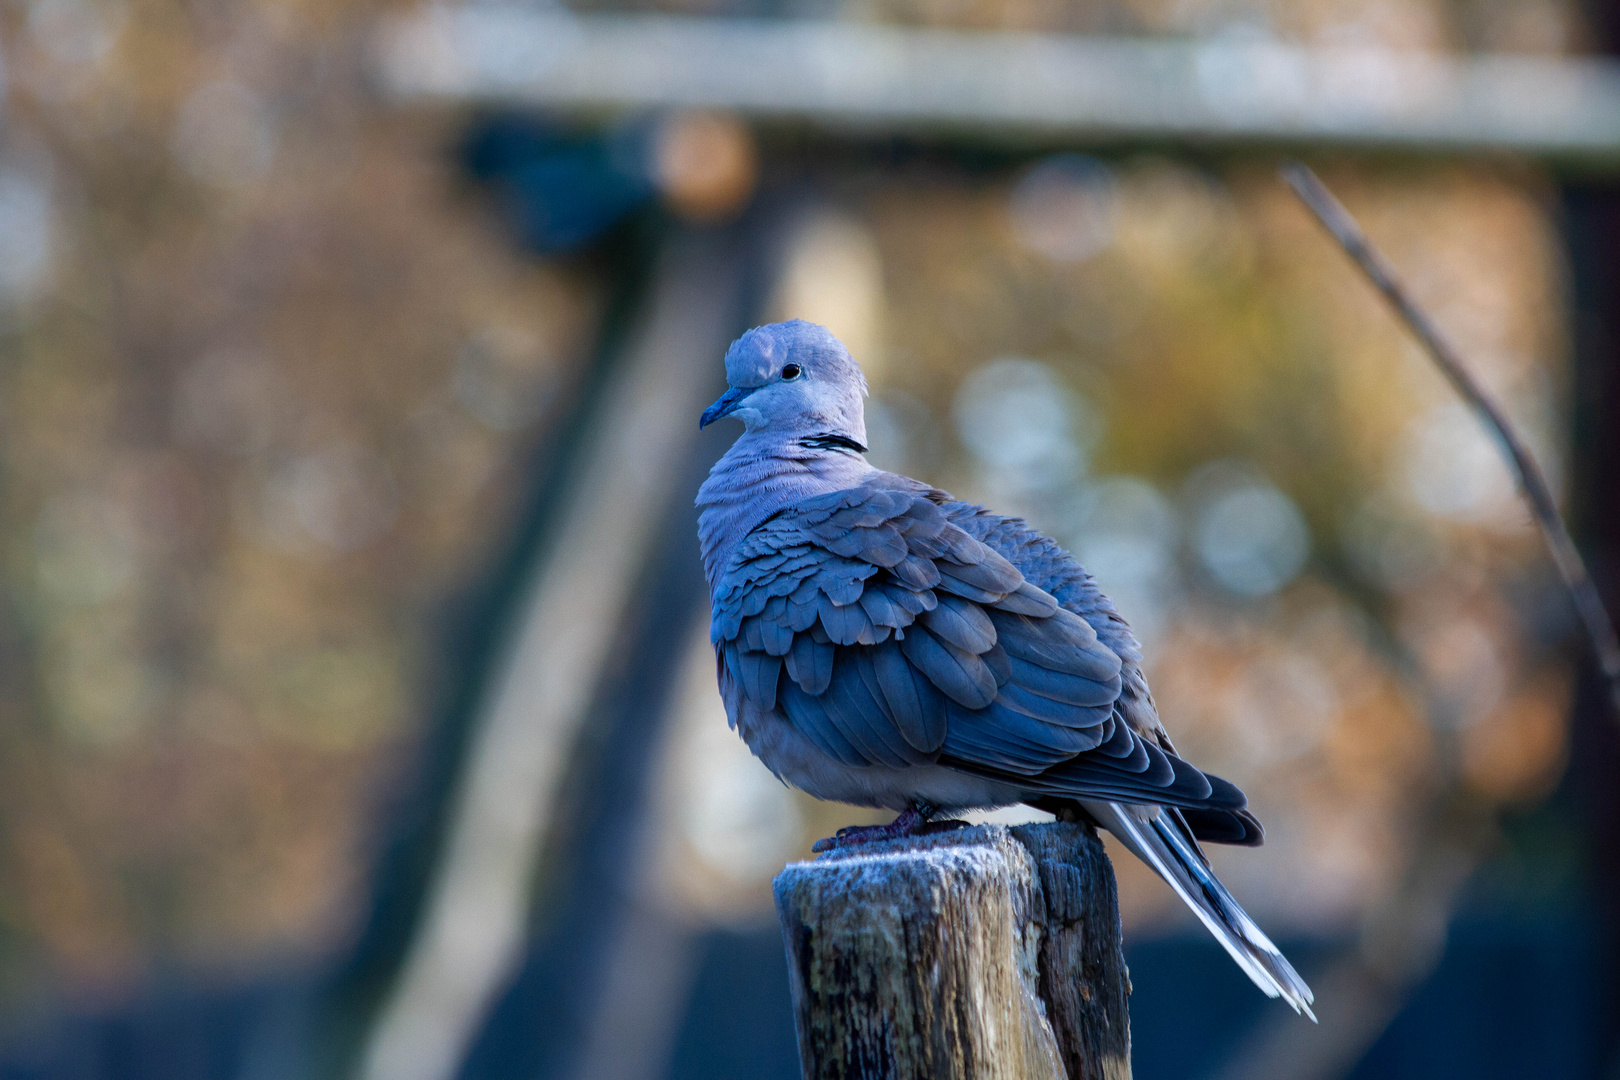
x=882 y=644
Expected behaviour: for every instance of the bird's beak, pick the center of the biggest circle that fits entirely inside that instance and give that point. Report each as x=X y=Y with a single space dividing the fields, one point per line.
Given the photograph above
x=725 y=406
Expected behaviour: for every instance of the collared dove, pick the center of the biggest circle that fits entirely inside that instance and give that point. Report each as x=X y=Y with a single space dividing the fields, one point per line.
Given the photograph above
x=882 y=644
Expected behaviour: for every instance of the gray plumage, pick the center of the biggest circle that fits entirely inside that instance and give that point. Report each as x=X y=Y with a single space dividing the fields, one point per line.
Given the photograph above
x=882 y=644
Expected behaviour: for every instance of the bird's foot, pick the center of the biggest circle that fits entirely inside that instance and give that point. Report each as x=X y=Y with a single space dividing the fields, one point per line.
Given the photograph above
x=912 y=822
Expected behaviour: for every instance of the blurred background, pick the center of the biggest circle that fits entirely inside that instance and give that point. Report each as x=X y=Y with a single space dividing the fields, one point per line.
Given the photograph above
x=357 y=714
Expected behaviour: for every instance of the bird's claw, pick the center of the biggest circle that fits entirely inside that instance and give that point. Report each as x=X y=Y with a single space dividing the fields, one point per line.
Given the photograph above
x=911 y=822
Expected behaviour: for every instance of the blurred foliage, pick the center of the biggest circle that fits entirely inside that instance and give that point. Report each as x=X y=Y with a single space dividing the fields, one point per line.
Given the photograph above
x=262 y=404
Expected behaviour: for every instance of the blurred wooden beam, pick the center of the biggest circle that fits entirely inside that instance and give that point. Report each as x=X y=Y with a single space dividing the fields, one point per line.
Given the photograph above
x=855 y=77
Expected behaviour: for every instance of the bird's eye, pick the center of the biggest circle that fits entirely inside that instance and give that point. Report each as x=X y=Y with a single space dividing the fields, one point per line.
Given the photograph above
x=791 y=372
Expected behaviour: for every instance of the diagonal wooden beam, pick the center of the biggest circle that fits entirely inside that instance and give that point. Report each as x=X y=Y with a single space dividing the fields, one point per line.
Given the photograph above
x=474 y=926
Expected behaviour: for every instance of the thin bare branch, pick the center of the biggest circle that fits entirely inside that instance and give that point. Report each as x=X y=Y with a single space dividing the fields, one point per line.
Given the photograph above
x=1594 y=617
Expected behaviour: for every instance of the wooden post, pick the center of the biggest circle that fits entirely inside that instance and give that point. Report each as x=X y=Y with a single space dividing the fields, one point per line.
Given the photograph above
x=981 y=953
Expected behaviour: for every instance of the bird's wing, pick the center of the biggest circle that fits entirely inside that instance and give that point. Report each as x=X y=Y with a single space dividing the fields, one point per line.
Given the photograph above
x=1222 y=818
x=887 y=634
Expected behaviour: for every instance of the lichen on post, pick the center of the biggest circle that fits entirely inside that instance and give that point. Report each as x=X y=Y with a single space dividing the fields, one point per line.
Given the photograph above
x=979 y=953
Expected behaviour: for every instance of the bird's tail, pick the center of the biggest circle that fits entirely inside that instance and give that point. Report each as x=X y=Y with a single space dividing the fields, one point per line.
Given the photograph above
x=1159 y=842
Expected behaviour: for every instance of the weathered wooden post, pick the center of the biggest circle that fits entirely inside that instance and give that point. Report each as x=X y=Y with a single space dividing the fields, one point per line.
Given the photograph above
x=982 y=953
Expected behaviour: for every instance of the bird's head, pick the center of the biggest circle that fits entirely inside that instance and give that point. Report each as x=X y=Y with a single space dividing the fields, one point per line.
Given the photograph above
x=792 y=379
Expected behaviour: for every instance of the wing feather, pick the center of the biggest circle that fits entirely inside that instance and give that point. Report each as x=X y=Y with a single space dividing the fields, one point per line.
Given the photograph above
x=961 y=675
x=758 y=672
x=863 y=719
x=1011 y=739
x=962 y=623
x=1059 y=685
x=915 y=703
x=1016 y=696
x=810 y=663
x=805 y=713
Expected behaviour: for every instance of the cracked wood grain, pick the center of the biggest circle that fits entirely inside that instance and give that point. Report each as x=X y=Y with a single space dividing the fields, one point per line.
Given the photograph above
x=977 y=954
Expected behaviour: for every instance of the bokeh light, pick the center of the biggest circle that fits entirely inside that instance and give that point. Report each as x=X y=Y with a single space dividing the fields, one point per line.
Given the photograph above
x=1249 y=536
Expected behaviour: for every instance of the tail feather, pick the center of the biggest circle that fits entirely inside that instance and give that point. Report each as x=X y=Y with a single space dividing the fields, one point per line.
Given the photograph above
x=1159 y=842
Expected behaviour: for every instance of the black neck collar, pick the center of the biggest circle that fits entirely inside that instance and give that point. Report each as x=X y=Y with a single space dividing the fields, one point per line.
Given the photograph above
x=832 y=441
